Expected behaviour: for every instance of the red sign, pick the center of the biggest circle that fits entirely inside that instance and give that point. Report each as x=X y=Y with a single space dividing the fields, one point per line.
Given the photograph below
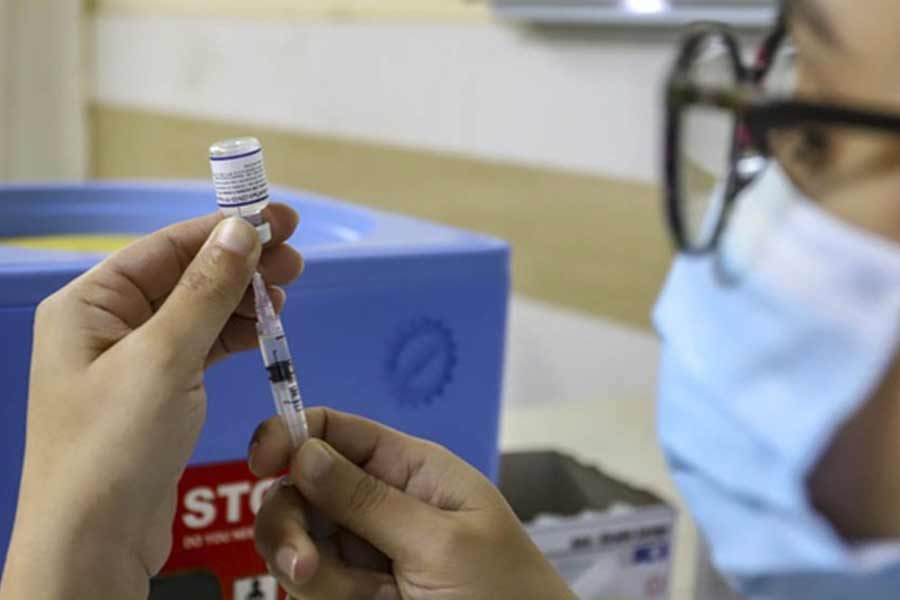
x=213 y=537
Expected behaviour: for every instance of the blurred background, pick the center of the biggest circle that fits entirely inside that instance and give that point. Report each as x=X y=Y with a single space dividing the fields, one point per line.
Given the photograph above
x=537 y=122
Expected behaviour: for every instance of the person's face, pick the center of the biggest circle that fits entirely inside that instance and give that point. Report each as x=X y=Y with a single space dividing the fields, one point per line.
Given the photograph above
x=847 y=53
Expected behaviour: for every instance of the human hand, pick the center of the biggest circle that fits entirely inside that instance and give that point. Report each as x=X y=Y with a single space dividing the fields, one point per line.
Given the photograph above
x=413 y=520
x=117 y=401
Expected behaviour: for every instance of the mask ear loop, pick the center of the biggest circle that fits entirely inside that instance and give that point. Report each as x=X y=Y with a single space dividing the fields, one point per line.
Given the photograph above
x=725 y=274
x=746 y=167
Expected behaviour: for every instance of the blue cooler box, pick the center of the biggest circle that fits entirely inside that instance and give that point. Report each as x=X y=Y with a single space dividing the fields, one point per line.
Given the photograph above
x=396 y=319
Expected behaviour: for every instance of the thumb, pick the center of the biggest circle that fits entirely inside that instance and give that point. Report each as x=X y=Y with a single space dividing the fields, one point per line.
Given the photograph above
x=388 y=518
x=206 y=296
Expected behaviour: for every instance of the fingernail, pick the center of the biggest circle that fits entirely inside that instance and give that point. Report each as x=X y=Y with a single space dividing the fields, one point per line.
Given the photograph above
x=236 y=236
x=283 y=481
x=278 y=297
x=270 y=490
x=251 y=454
x=286 y=560
x=315 y=461
x=387 y=592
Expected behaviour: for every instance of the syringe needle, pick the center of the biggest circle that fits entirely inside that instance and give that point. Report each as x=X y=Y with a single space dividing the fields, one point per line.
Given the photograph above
x=265 y=310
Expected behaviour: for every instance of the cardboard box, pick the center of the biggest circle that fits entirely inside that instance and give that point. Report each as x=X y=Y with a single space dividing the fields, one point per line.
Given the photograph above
x=609 y=541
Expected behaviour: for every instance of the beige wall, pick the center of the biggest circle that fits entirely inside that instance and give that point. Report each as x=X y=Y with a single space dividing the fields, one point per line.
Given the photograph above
x=590 y=243
x=442 y=9
x=548 y=138
x=42 y=90
x=578 y=100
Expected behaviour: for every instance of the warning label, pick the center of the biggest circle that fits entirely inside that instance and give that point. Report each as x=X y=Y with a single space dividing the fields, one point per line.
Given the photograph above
x=213 y=537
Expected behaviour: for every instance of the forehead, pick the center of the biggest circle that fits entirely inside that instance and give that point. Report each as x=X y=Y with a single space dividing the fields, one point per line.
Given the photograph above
x=850 y=47
x=869 y=27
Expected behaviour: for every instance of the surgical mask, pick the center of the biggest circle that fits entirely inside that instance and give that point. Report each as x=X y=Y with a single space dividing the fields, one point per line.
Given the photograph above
x=760 y=369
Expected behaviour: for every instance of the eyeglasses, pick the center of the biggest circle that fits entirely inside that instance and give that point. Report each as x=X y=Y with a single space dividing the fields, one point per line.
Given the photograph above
x=726 y=121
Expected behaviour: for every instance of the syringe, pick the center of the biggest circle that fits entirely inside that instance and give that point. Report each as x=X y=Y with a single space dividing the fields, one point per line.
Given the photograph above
x=277 y=358
x=242 y=189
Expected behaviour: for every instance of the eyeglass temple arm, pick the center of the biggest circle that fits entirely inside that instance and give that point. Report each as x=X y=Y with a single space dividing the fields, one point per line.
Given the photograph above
x=766 y=54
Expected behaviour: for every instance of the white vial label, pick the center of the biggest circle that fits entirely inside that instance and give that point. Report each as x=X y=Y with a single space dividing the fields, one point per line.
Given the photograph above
x=240 y=180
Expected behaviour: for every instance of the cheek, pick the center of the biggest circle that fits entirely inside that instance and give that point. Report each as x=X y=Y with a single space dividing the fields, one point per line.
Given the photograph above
x=805 y=84
x=871 y=203
x=862 y=457
x=869 y=37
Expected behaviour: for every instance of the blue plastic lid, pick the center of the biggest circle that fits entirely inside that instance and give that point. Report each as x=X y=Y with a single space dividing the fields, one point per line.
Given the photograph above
x=351 y=239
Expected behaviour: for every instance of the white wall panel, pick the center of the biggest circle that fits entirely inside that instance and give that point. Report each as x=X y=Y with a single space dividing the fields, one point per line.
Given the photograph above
x=583 y=102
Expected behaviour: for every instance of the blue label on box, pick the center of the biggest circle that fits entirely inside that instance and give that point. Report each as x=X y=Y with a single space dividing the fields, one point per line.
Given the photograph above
x=651 y=554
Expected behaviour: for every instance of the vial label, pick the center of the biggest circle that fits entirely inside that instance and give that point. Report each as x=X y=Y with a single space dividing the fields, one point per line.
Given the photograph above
x=240 y=180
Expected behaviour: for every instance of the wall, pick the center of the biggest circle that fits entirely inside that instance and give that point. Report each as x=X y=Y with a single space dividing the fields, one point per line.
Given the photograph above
x=547 y=138
x=42 y=99
x=280 y=9
x=561 y=99
x=5 y=91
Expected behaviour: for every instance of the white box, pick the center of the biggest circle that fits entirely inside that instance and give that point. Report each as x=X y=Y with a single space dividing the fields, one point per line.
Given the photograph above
x=609 y=541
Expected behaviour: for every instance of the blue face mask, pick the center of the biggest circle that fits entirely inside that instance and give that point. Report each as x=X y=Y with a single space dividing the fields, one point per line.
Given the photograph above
x=760 y=369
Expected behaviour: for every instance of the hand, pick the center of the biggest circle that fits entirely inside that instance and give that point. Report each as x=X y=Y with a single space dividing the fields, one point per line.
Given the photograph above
x=117 y=401
x=413 y=520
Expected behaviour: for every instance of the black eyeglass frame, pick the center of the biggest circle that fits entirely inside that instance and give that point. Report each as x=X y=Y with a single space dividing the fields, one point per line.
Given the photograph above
x=755 y=117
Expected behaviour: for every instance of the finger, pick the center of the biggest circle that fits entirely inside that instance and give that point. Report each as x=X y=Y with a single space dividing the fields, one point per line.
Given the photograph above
x=361 y=554
x=302 y=568
x=122 y=293
x=416 y=466
x=386 y=453
x=247 y=307
x=194 y=315
x=280 y=531
x=391 y=520
x=280 y=265
x=239 y=333
x=422 y=469
x=283 y=220
x=154 y=264
x=159 y=541
x=355 y=437
x=270 y=448
x=336 y=581
x=281 y=270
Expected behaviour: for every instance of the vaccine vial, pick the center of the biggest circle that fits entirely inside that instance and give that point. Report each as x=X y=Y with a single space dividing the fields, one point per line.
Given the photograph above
x=239 y=176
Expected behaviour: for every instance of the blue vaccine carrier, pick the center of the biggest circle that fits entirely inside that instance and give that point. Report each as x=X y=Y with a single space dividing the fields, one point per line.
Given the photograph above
x=396 y=319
